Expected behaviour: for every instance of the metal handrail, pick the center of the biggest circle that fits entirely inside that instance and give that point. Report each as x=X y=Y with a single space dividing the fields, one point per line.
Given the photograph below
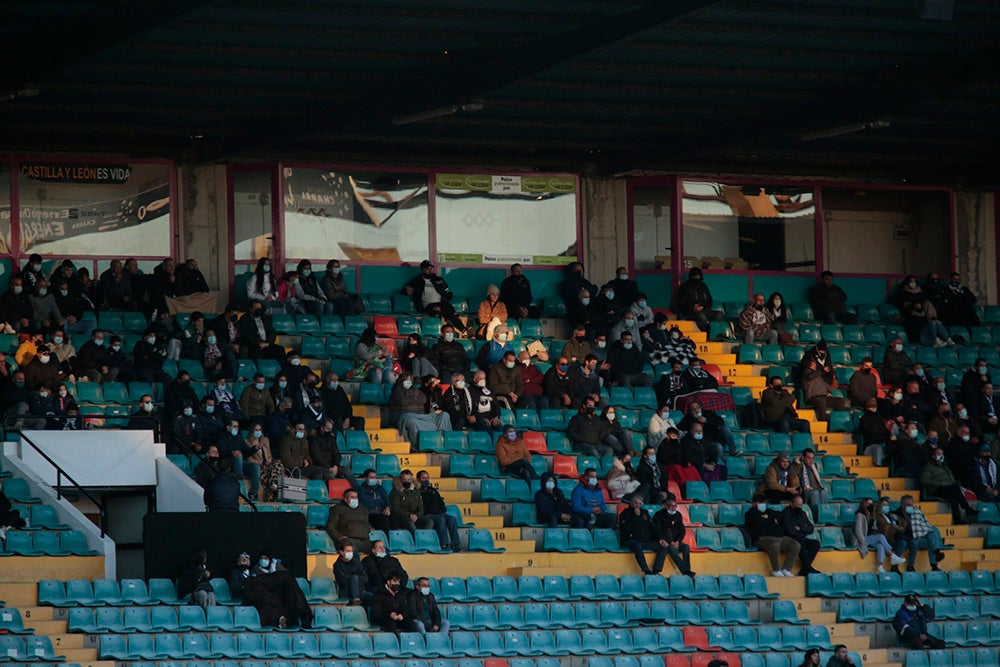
x=60 y=473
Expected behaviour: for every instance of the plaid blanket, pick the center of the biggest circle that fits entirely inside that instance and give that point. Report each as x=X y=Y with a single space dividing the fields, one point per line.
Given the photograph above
x=709 y=400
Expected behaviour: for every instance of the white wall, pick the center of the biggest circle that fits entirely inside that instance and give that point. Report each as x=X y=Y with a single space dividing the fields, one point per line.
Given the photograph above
x=175 y=491
x=94 y=458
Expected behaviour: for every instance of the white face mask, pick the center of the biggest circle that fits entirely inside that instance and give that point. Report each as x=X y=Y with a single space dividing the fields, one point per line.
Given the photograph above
x=380 y=554
x=352 y=503
x=407 y=384
x=348 y=555
x=898 y=347
x=448 y=337
x=296 y=362
x=913 y=433
x=480 y=383
x=592 y=481
x=963 y=414
x=502 y=337
x=601 y=344
x=460 y=384
x=258 y=434
x=425 y=590
x=761 y=507
x=58 y=340
x=550 y=485
x=509 y=364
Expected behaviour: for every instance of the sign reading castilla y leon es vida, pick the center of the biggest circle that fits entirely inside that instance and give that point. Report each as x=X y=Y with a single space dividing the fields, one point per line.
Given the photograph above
x=76 y=172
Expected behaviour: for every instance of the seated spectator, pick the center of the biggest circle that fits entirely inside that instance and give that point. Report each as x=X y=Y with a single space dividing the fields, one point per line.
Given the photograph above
x=42 y=407
x=755 y=321
x=577 y=347
x=585 y=431
x=916 y=407
x=551 y=506
x=186 y=432
x=312 y=411
x=145 y=417
x=963 y=418
x=696 y=378
x=448 y=356
x=415 y=357
x=614 y=436
x=670 y=385
x=257 y=334
x=984 y=411
x=659 y=422
x=505 y=381
x=914 y=532
x=44 y=310
x=904 y=454
x=604 y=310
x=557 y=385
x=829 y=302
x=337 y=405
x=589 y=508
x=780 y=482
x=43 y=369
x=910 y=624
x=72 y=306
x=921 y=324
x=194 y=584
x=216 y=358
x=670 y=525
x=148 y=356
x=262 y=288
x=348 y=571
x=259 y=448
x=778 y=405
x=407 y=503
x=817 y=385
x=532 y=395
x=652 y=483
x=92 y=359
x=778 y=311
x=290 y=295
x=656 y=342
x=813 y=489
x=168 y=334
x=938 y=481
x=515 y=293
x=492 y=313
x=764 y=526
x=876 y=431
x=15 y=310
x=116 y=288
x=513 y=456
x=638 y=533
x=697 y=453
x=424 y=609
x=409 y=413
x=864 y=384
x=630 y=324
x=694 y=301
x=233 y=446
x=310 y=297
x=797 y=525
x=621 y=479
x=458 y=403
x=840 y=657
x=579 y=312
x=211 y=424
x=390 y=606
x=376 y=500
x=294 y=453
x=957 y=304
x=227 y=328
x=256 y=401
x=436 y=512
x=573 y=283
x=432 y=295
x=485 y=413
x=493 y=350
x=338 y=297
x=278 y=423
x=714 y=427
x=639 y=304
x=895 y=363
x=348 y=522
x=64 y=352
x=870 y=527
x=627 y=363
x=227 y=404
x=380 y=567
x=325 y=453
x=372 y=360
x=984 y=476
x=973 y=381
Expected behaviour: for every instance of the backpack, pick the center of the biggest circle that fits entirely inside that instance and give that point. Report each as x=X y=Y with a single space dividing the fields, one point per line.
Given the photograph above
x=751 y=416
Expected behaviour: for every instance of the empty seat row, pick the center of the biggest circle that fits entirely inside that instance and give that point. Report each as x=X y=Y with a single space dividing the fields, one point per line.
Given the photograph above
x=959 y=657
x=890 y=584
x=27 y=648
x=961 y=607
x=972 y=633
x=384 y=662
x=46 y=543
x=319 y=542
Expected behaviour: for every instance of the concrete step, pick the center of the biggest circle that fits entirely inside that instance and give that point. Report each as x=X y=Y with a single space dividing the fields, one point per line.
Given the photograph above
x=718 y=358
x=970 y=543
x=517 y=546
x=366 y=411
x=834 y=439
x=486 y=521
x=456 y=497
x=979 y=556
x=19 y=594
x=505 y=533
x=474 y=509
x=537 y=571
x=400 y=448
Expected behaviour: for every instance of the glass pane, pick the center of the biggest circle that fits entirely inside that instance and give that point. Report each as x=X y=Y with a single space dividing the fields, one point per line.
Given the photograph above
x=252 y=199
x=5 y=243
x=885 y=231
x=361 y=216
x=499 y=219
x=760 y=227
x=103 y=209
x=651 y=225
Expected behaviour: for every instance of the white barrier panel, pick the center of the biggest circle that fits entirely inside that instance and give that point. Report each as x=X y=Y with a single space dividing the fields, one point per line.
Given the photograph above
x=94 y=458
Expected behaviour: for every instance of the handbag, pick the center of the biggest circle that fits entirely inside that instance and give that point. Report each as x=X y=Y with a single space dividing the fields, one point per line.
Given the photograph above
x=292 y=487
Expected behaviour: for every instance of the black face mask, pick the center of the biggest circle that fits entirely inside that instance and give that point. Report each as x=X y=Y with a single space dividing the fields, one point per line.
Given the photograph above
x=407 y=485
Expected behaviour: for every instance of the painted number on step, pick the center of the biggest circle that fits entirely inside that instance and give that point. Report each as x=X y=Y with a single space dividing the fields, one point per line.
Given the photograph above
x=884 y=486
x=950 y=532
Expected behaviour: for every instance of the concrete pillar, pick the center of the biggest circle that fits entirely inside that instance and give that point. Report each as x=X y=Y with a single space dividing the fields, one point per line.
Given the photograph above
x=605 y=227
x=976 y=243
x=203 y=223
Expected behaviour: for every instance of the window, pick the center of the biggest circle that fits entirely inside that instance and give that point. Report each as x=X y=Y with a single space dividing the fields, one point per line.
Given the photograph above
x=651 y=225
x=252 y=197
x=6 y=245
x=886 y=231
x=748 y=226
x=501 y=219
x=356 y=215
x=81 y=208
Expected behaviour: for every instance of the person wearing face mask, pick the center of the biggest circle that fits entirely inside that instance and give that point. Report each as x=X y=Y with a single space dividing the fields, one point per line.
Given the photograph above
x=973 y=381
x=492 y=351
x=148 y=356
x=43 y=369
x=337 y=404
x=916 y=407
x=448 y=356
x=939 y=481
x=277 y=423
x=45 y=311
x=694 y=301
x=627 y=362
x=869 y=533
x=700 y=454
x=577 y=347
x=715 y=427
x=409 y=412
x=778 y=406
x=216 y=358
x=63 y=353
x=963 y=417
x=638 y=533
x=829 y=302
x=290 y=295
x=506 y=382
x=257 y=334
x=146 y=417
x=696 y=378
x=944 y=422
x=492 y=313
x=42 y=407
x=915 y=532
x=984 y=476
x=767 y=534
x=649 y=473
x=659 y=422
x=817 y=386
x=259 y=447
x=573 y=284
x=436 y=512
x=226 y=403
x=587 y=500
x=628 y=323
x=513 y=456
x=92 y=359
x=294 y=453
x=432 y=295
x=639 y=304
x=551 y=506
x=407 y=504
x=15 y=310
x=240 y=576
x=656 y=340
x=222 y=492
x=262 y=287
x=308 y=292
x=910 y=624
x=864 y=383
x=797 y=525
x=515 y=293
x=256 y=401
x=603 y=311
x=485 y=406
x=532 y=396
x=349 y=572
x=391 y=607
x=186 y=432
x=904 y=454
x=558 y=384
x=194 y=583
x=621 y=478
x=778 y=310
x=585 y=431
x=957 y=304
x=348 y=521
x=984 y=410
x=339 y=299
x=380 y=566
x=960 y=453
x=755 y=321
x=876 y=431
x=895 y=362
x=585 y=381
x=177 y=393
x=675 y=461
x=233 y=448
x=424 y=609
x=372 y=360
x=669 y=386
x=781 y=480
x=458 y=403
x=324 y=452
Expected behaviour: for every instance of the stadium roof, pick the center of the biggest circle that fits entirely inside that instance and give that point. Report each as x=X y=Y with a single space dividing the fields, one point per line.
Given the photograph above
x=596 y=86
